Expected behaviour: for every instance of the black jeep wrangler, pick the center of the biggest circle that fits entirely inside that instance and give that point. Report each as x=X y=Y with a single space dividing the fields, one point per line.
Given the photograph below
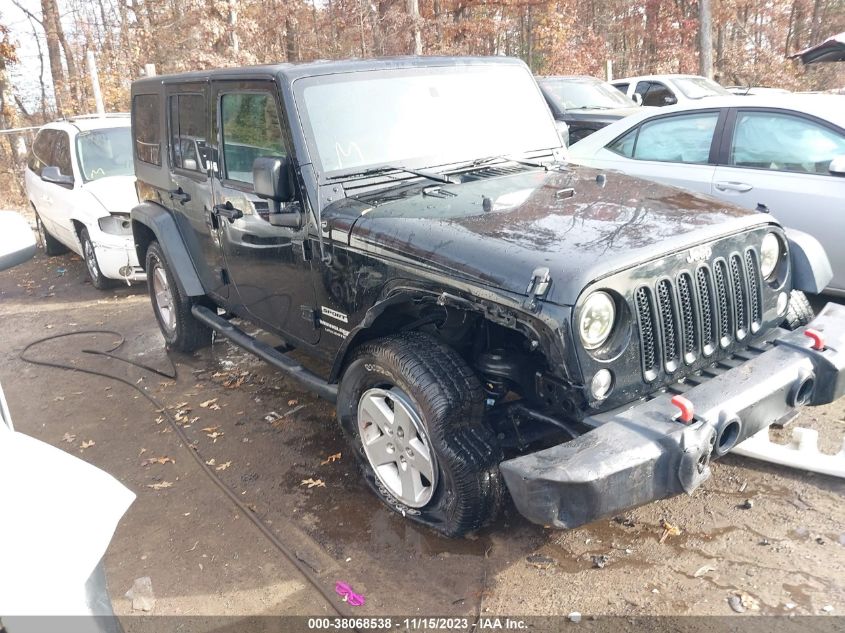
x=492 y=316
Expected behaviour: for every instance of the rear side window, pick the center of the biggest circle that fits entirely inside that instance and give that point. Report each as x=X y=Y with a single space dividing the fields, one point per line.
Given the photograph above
x=683 y=138
x=250 y=128
x=146 y=123
x=623 y=88
x=188 y=125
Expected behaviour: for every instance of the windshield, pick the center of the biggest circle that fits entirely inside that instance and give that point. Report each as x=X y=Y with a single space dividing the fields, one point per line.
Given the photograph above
x=423 y=117
x=574 y=94
x=105 y=152
x=699 y=87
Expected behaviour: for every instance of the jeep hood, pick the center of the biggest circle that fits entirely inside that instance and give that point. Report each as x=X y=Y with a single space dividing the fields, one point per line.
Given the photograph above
x=580 y=226
x=115 y=193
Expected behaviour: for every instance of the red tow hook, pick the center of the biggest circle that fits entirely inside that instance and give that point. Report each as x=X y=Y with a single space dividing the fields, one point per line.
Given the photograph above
x=687 y=410
x=816 y=336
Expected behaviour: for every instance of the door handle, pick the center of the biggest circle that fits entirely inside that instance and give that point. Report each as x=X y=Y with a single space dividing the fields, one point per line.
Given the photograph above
x=227 y=211
x=740 y=187
x=180 y=196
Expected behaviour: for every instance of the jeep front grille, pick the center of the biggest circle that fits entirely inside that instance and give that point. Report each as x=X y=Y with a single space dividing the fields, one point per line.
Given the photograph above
x=698 y=312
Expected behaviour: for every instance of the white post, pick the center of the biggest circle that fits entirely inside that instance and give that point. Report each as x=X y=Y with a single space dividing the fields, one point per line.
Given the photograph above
x=608 y=69
x=95 y=83
x=150 y=70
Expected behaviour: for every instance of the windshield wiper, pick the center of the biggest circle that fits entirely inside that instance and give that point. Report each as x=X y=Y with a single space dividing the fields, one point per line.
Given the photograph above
x=372 y=171
x=520 y=161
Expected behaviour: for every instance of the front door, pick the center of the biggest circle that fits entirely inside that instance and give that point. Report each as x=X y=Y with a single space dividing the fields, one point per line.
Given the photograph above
x=270 y=267
x=191 y=162
x=778 y=161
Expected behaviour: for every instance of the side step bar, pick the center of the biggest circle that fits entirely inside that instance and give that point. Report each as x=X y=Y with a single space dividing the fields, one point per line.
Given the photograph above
x=307 y=379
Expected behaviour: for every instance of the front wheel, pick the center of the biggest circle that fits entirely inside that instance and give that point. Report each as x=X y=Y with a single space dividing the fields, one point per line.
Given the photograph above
x=98 y=280
x=180 y=329
x=412 y=410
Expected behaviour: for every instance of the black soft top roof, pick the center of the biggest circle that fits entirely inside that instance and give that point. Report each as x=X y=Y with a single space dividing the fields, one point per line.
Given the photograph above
x=291 y=72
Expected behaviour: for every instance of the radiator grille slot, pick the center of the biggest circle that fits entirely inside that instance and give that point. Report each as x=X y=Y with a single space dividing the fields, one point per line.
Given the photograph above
x=701 y=310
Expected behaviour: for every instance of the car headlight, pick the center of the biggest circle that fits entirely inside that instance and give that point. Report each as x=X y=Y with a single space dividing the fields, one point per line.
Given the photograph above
x=115 y=225
x=597 y=317
x=769 y=255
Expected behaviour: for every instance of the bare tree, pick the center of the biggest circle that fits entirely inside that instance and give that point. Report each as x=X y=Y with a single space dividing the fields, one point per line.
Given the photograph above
x=705 y=39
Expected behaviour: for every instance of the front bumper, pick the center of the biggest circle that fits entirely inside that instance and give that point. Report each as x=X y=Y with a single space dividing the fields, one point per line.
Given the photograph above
x=641 y=453
x=116 y=256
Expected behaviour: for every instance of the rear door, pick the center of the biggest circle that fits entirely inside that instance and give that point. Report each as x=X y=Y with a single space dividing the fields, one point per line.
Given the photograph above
x=778 y=160
x=269 y=266
x=191 y=162
x=675 y=149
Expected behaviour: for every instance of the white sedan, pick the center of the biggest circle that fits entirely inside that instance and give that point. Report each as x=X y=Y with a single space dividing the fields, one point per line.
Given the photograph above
x=80 y=181
x=785 y=157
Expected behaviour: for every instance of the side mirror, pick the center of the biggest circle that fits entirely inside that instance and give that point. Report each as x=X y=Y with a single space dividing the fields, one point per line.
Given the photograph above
x=189 y=164
x=17 y=243
x=563 y=132
x=53 y=175
x=638 y=98
x=273 y=181
x=837 y=165
x=670 y=99
x=271 y=178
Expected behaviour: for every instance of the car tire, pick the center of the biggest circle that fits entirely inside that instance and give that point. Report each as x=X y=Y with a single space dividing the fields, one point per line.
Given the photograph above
x=51 y=245
x=172 y=309
x=799 y=312
x=89 y=255
x=441 y=446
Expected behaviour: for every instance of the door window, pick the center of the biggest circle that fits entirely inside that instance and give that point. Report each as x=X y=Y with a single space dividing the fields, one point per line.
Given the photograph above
x=61 y=154
x=188 y=125
x=683 y=138
x=654 y=93
x=784 y=142
x=250 y=128
x=42 y=149
x=147 y=128
x=623 y=88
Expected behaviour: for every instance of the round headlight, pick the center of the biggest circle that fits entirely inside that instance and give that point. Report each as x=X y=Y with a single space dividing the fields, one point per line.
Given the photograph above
x=597 y=318
x=769 y=255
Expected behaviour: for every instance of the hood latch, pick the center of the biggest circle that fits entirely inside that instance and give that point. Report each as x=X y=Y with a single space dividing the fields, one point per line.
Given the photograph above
x=541 y=279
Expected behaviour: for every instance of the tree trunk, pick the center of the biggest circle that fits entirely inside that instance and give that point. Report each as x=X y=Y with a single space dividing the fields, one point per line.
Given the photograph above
x=416 y=32
x=705 y=39
x=50 y=15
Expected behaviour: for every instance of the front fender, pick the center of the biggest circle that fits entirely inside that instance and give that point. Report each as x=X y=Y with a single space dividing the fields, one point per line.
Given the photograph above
x=811 y=271
x=152 y=221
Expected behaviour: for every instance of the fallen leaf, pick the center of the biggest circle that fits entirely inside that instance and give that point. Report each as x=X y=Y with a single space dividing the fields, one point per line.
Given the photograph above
x=223 y=466
x=210 y=429
x=668 y=530
x=87 y=444
x=330 y=459
x=214 y=435
x=157 y=460
x=293 y=403
x=311 y=482
x=208 y=403
x=210 y=462
x=70 y=438
x=160 y=485
x=702 y=571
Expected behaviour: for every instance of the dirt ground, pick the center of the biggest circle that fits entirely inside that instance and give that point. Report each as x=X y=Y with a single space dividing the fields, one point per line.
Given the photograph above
x=786 y=552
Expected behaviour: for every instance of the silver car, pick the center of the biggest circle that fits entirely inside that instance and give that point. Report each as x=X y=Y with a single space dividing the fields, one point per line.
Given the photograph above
x=784 y=157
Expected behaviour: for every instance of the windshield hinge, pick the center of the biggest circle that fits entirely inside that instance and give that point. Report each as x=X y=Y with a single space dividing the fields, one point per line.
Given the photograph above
x=541 y=279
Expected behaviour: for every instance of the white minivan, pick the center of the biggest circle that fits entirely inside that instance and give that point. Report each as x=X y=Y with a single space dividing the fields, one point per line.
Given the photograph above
x=80 y=181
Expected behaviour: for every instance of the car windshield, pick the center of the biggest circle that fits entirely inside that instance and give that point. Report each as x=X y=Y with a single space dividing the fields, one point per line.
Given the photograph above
x=105 y=152
x=574 y=94
x=423 y=117
x=699 y=87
